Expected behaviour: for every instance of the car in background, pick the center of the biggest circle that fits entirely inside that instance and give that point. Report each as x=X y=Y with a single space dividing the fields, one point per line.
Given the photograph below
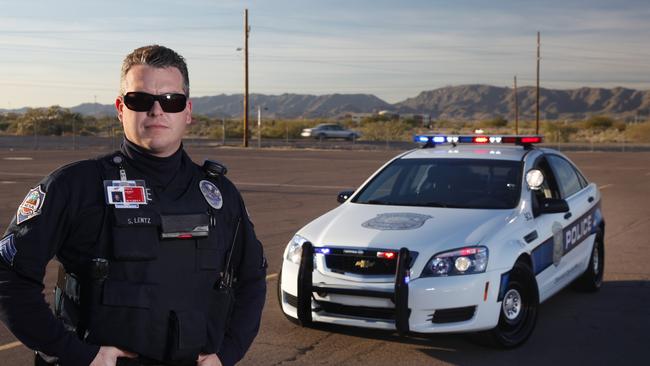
x=469 y=234
x=330 y=131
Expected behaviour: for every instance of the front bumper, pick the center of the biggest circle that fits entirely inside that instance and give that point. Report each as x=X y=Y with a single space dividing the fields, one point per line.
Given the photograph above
x=422 y=305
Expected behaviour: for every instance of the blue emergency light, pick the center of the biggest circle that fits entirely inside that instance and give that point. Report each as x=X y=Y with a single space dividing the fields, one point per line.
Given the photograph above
x=433 y=140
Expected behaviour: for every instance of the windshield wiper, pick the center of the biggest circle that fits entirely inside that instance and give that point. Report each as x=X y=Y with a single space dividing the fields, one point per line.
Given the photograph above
x=378 y=202
x=429 y=204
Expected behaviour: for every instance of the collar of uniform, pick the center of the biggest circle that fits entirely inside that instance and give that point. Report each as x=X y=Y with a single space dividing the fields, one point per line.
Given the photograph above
x=156 y=170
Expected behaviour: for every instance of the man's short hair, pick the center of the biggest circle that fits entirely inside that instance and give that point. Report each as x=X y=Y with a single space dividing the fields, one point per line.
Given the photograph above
x=155 y=56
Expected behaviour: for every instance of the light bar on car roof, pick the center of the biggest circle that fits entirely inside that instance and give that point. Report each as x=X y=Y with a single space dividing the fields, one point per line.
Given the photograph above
x=432 y=140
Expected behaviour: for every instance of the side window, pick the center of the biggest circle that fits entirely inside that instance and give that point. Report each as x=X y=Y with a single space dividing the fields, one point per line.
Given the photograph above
x=566 y=175
x=549 y=187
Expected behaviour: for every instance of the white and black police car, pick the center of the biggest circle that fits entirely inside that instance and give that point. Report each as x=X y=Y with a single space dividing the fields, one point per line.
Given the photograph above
x=468 y=234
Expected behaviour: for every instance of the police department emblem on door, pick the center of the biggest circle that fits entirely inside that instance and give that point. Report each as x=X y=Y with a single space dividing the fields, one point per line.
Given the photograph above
x=211 y=193
x=396 y=221
x=31 y=206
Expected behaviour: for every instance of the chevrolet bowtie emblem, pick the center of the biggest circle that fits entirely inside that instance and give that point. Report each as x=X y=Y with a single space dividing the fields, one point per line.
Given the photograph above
x=364 y=263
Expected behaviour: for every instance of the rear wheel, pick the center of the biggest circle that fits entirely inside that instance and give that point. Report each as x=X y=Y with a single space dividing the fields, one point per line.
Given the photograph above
x=592 y=279
x=518 y=309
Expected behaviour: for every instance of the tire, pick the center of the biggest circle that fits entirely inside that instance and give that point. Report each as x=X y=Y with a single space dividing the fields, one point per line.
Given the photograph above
x=321 y=137
x=279 y=294
x=350 y=137
x=518 y=314
x=592 y=279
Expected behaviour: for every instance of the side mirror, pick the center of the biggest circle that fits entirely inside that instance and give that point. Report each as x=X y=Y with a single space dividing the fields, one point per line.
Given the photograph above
x=534 y=179
x=553 y=205
x=343 y=196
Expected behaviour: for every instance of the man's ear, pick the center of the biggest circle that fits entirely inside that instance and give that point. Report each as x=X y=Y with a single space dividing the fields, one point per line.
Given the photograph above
x=188 y=118
x=119 y=106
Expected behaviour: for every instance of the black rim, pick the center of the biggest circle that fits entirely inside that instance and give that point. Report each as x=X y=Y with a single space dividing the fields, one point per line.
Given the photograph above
x=598 y=273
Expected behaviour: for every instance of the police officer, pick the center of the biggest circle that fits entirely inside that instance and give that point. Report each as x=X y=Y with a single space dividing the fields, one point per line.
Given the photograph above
x=159 y=261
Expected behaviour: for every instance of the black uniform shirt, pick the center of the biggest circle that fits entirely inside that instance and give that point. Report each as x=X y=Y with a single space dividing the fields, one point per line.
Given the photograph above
x=67 y=223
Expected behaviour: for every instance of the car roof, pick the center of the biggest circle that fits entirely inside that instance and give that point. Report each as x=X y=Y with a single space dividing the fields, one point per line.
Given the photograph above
x=490 y=152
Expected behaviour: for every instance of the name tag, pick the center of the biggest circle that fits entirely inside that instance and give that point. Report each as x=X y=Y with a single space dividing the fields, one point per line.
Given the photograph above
x=126 y=194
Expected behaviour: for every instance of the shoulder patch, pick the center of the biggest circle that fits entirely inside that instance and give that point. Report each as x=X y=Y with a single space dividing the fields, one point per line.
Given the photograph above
x=31 y=206
x=211 y=193
x=8 y=249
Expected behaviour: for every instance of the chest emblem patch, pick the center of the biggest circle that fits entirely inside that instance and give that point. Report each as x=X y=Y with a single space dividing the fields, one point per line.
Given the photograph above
x=396 y=221
x=211 y=193
x=31 y=206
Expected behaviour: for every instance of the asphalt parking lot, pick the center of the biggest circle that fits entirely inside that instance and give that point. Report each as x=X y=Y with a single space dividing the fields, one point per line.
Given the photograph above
x=285 y=189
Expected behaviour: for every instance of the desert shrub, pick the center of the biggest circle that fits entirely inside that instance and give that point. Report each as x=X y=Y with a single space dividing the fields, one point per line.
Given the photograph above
x=598 y=123
x=638 y=132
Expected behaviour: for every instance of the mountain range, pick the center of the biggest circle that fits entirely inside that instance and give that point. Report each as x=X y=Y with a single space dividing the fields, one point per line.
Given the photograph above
x=464 y=102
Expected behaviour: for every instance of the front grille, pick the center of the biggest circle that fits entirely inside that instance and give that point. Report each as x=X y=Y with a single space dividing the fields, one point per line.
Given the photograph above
x=290 y=299
x=356 y=311
x=362 y=262
x=453 y=315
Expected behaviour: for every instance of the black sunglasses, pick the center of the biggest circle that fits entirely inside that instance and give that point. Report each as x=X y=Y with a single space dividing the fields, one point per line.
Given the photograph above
x=142 y=102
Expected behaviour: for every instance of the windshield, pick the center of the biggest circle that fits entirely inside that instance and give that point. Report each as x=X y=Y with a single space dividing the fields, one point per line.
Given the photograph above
x=454 y=183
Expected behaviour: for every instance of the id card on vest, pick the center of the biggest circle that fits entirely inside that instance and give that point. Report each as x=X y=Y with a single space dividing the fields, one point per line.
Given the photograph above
x=125 y=193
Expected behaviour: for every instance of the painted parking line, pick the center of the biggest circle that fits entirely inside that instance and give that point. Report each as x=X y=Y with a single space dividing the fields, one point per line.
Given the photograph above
x=10 y=345
x=289 y=185
x=17 y=174
x=18 y=344
x=605 y=186
x=18 y=158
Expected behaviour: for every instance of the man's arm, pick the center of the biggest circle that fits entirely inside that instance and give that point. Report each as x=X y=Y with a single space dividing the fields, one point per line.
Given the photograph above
x=250 y=294
x=24 y=311
x=29 y=243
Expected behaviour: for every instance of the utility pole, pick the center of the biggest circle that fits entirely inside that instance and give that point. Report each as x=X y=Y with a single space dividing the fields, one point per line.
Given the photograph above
x=246 y=32
x=537 y=114
x=259 y=127
x=516 y=109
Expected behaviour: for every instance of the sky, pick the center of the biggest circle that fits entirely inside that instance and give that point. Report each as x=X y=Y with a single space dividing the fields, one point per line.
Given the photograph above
x=60 y=52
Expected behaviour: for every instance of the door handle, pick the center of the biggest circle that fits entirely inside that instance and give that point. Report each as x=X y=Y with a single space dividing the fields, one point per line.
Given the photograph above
x=567 y=215
x=591 y=199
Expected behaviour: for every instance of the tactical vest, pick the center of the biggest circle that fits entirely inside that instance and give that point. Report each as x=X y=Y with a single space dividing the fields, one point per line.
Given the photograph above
x=156 y=285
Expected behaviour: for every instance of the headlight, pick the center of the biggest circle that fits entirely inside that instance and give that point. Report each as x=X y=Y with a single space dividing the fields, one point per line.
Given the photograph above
x=294 y=252
x=457 y=262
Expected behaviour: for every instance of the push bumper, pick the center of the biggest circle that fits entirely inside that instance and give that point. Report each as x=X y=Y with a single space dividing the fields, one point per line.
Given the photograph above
x=423 y=305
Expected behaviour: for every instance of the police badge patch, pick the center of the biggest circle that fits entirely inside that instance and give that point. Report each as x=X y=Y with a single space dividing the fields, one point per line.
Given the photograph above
x=31 y=206
x=396 y=221
x=211 y=193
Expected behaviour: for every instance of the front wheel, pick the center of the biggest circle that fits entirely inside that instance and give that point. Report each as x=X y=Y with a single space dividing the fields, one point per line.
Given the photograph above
x=518 y=309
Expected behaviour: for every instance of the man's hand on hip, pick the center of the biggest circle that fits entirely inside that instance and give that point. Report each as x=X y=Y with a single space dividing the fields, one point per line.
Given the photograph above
x=107 y=356
x=208 y=360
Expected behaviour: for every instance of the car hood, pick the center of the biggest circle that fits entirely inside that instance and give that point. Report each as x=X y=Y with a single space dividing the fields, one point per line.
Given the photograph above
x=421 y=229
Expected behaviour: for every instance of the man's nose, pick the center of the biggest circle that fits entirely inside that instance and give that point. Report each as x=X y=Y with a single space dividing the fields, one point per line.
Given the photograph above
x=156 y=109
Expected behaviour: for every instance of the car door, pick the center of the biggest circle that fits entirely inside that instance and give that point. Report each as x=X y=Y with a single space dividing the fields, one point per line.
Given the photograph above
x=547 y=251
x=578 y=234
x=336 y=131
